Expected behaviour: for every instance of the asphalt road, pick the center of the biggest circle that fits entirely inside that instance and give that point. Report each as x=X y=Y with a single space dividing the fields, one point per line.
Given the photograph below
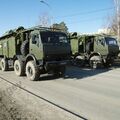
x=92 y=94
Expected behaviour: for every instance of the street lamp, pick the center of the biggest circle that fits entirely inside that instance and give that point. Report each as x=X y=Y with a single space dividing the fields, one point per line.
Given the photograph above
x=45 y=3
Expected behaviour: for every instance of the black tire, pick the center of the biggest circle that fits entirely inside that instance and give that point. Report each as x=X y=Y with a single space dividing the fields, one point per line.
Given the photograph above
x=60 y=71
x=4 y=64
x=79 y=62
x=32 y=71
x=108 y=63
x=19 y=68
x=95 y=62
x=25 y=48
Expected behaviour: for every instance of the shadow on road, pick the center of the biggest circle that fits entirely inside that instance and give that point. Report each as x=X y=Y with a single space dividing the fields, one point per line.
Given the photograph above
x=79 y=73
x=75 y=73
x=48 y=77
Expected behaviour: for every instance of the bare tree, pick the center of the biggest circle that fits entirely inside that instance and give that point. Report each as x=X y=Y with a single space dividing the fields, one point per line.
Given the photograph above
x=114 y=25
x=44 y=20
x=115 y=19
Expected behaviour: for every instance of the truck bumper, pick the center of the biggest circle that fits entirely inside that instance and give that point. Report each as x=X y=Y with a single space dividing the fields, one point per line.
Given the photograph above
x=54 y=64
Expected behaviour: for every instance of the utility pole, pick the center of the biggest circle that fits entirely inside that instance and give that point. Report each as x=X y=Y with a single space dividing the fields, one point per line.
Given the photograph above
x=117 y=5
x=45 y=3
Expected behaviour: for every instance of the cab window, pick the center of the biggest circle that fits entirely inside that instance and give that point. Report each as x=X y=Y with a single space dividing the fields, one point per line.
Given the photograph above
x=35 y=39
x=54 y=37
x=110 y=41
x=101 y=41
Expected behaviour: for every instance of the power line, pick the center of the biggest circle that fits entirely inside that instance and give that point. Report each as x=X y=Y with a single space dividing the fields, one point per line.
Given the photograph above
x=84 y=13
x=85 y=20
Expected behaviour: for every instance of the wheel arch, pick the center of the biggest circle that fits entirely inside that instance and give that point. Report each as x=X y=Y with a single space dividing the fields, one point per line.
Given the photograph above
x=17 y=57
x=30 y=57
x=95 y=54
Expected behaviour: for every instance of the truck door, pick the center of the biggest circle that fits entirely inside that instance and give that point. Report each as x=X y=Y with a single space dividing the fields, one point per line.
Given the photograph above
x=100 y=46
x=81 y=44
x=5 y=48
x=36 y=46
x=1 y=48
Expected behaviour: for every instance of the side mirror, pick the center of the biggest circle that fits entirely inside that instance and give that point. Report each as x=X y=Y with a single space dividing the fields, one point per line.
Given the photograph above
x=103 y=42
x=34 y=39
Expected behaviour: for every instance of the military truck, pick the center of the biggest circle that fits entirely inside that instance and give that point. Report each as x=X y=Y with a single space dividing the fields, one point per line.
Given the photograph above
x=95 y=50
x=34 y=51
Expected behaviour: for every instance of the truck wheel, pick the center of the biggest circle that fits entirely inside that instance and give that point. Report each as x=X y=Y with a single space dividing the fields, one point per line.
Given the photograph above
x=79 y=61
x=19 y=68
x=60 y=71
x=4 y=64
x=94 y=62
x=25 y=48
x=108 y=63
x=32 y=71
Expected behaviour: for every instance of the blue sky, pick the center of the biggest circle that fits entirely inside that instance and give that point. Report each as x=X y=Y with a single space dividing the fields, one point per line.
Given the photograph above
x=79 y=15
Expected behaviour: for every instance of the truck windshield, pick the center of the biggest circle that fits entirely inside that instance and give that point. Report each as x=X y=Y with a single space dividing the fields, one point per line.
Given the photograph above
x=53 y=37
x=110 y=41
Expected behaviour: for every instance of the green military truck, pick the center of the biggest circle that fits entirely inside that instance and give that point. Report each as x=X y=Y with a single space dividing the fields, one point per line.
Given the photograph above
x=95 y=50
x=34 y=51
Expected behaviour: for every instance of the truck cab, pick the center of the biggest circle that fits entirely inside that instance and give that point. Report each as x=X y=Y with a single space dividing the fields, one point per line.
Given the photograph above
x=50 y=48
x=96 y=49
